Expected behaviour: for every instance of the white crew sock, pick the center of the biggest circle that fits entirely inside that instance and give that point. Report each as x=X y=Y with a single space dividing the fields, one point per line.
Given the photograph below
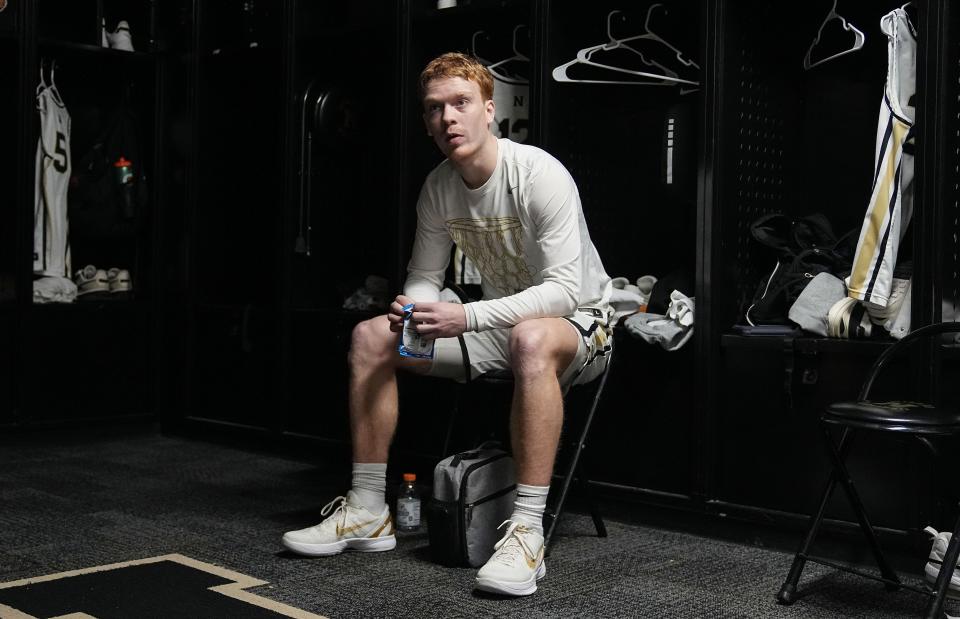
x=530 y=505
x=370 y=485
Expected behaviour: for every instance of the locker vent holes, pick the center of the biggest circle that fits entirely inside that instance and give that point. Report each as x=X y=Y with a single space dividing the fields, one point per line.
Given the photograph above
x=759 y=168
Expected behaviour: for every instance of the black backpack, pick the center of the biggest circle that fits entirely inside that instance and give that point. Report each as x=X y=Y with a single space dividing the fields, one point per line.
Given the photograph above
x=803 y=247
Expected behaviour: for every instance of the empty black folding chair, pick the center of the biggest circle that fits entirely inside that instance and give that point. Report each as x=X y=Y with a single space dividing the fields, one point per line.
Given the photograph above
x=921 y=420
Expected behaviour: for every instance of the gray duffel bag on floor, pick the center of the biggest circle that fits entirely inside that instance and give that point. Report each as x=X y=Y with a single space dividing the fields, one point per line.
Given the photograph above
x=473 y=493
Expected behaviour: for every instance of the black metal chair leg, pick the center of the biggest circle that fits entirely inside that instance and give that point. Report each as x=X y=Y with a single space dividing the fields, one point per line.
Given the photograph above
x=788 y=590
x=554 y=514
x=573 y=466
x=583 y=479
x=855 y=502
x=549 y=534
x=580 y=477
x=935 y=610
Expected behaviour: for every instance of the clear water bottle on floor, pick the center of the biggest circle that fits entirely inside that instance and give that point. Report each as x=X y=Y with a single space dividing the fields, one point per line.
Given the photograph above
x=408 y=504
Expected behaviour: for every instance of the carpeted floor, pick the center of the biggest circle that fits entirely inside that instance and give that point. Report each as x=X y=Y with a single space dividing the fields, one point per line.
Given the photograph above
x=70 y=504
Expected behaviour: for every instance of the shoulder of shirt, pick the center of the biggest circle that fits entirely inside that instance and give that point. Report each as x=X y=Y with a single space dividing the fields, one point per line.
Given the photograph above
x=444 y=172
x=532 y=159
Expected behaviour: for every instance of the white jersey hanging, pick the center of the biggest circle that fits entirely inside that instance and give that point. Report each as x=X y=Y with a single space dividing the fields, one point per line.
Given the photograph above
x=891 y=200
x=511 y=99
x=51 y=246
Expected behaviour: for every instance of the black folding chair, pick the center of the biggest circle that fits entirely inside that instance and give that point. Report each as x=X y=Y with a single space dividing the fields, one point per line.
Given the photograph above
x=921 y=420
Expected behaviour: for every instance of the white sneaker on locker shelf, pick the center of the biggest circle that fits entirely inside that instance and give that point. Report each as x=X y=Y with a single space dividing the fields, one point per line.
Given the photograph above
x=91 y=282
x=120 y=38
x=120 y=283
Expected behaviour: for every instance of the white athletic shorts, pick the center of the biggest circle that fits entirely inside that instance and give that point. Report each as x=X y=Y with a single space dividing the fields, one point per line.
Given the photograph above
x=489 y=350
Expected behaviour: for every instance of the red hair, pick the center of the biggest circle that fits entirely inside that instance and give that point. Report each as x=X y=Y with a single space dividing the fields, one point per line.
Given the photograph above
x=455 y=64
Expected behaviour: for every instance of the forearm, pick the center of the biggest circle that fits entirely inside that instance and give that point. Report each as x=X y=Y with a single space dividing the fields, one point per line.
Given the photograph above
x=550 y=299
x=422 y=287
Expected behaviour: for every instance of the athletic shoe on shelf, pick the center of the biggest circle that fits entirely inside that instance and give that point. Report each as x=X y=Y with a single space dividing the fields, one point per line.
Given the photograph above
x=350 y=527
x=516 y=564
x=120 y=38
x=886 y=314
x=932 y=569
x=848 y=320
x=91 y=282
x=119 y=282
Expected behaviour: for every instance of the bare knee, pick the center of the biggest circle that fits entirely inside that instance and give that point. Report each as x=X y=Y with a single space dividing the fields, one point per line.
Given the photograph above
x=532 y=351
x=371 y=344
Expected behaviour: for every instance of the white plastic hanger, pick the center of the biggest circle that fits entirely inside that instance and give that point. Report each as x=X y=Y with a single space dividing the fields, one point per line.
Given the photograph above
x=666 y=77
x=43 y=83
x=859 y=38
x=517 y=57
x=618 y=44
x=653 y=36
x=51 y=85
x=473 y=46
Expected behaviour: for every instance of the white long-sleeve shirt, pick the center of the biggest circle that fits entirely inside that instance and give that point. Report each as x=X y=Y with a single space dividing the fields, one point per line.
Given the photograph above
x=523 y=229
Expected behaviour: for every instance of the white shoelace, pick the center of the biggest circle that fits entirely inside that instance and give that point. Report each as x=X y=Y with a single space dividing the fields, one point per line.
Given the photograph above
x=341 y=510
x=509 y=553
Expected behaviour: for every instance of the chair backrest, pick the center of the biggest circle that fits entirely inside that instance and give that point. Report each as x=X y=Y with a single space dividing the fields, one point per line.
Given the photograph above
x=917 y=334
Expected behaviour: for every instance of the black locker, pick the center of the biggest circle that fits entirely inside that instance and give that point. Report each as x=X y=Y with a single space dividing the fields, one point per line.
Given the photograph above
x=227 y=128
x=941 y=225
x=279 y=133
x=11 y=166
x=89 y=358
x=341 y=220
x=634 y=151
x=797 y=141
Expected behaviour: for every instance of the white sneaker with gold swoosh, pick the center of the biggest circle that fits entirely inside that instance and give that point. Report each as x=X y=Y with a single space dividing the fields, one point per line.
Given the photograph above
x=516 y=564
x=350 y=527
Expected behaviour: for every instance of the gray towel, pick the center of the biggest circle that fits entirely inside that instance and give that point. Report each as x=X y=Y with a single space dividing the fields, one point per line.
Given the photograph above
x=811 y=307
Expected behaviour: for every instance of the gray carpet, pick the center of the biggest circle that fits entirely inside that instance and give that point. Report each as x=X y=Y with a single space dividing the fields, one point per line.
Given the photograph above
x=71 y=504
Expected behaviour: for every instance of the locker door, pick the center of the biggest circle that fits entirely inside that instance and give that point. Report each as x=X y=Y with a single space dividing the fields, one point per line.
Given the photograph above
x=236 y=214
x=341 y=236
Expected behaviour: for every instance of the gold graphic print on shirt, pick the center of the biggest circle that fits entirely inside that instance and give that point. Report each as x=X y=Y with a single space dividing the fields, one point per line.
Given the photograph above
x=495 y=245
